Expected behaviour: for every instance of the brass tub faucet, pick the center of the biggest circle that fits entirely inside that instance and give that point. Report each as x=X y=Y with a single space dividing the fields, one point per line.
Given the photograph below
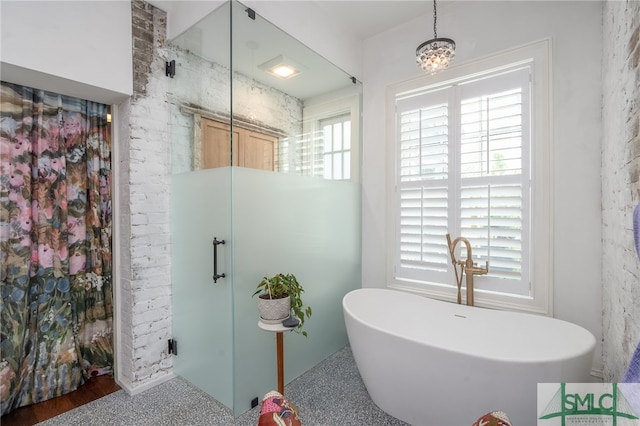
x=466 y=266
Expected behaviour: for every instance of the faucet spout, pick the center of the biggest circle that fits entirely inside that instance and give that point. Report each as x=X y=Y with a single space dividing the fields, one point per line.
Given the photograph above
x=467 y=266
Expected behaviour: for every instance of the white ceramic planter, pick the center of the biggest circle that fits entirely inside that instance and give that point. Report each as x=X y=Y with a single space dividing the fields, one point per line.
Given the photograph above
x=273 y=311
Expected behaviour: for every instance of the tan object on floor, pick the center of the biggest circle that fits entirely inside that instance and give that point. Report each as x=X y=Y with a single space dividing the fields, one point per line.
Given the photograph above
x=495 y=418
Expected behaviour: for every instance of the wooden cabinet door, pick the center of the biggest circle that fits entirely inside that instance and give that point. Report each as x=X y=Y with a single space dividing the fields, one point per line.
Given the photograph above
x=250 y=149
x=215 y=144
x=257 y=150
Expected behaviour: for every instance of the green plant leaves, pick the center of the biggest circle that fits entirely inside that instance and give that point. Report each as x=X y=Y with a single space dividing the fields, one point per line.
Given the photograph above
x=281 y=285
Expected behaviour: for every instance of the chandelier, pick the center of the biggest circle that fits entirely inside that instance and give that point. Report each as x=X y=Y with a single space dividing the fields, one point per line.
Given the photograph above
x=434 y=55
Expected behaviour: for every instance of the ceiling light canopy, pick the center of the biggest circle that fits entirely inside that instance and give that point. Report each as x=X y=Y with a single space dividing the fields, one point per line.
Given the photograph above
x=281 y=67
x=435 y=55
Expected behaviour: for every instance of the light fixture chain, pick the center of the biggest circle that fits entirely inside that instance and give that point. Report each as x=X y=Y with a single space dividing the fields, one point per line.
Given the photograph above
x=435 y=19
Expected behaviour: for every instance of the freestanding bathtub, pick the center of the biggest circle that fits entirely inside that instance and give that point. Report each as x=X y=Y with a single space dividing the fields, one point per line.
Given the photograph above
x=434 y=363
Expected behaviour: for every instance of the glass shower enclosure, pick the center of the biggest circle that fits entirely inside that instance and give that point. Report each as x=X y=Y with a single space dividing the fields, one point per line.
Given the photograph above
x=266 y=180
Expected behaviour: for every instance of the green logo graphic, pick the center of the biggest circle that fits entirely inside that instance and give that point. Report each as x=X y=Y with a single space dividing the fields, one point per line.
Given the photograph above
x=588 y=407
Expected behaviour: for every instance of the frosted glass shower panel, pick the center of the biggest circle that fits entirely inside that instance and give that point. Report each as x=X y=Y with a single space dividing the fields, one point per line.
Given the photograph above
x=306 y=226
x=202 y=309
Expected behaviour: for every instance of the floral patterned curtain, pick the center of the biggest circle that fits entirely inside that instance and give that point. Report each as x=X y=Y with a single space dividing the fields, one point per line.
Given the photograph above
x=55 y=244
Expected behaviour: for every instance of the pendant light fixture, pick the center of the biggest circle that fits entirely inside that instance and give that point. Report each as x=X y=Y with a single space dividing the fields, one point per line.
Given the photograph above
x=434 y=55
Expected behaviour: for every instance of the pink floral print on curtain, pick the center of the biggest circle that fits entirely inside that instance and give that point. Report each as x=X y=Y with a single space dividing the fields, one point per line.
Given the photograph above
x=55 y=240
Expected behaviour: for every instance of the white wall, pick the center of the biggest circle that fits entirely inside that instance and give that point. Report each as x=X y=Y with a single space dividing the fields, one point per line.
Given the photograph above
x=80 y=49
x=182 y=14
x=479 y=29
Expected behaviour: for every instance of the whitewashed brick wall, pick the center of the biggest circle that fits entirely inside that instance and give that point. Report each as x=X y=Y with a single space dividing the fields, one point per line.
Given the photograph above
x=620 y=184
x=144 y=263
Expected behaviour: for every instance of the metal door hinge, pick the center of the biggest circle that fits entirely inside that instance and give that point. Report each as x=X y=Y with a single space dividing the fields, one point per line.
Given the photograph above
x=170 y=68
x=173 y=347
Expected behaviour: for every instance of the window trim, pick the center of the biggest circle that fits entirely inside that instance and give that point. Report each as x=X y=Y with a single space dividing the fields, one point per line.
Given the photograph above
x=537 y=53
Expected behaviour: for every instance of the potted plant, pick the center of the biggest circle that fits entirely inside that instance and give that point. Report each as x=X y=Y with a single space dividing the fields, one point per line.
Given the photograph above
x=284 y=291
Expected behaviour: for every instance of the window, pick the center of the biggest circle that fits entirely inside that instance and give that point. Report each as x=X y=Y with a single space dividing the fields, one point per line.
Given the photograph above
x=329 y=145
x=464 y=164
x=326 y=152
x=336 y=154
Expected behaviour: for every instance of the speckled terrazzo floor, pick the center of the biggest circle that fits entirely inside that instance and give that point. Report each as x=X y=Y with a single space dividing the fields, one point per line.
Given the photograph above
x=333 y=384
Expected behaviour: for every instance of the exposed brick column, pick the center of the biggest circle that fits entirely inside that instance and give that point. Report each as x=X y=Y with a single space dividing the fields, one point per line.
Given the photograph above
x=144 y=263
x=620 y=184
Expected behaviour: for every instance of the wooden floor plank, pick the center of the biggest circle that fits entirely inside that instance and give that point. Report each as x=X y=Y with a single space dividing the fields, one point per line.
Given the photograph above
x=52 y=407
x=24 y=416
x=93 y=389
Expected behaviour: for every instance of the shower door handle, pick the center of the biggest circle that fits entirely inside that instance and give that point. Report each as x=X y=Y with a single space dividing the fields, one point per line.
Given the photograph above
x=216 y=242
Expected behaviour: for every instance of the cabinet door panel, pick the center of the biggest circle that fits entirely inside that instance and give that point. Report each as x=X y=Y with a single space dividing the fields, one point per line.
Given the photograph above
x=250 y=149
x=257 y=150
x=215 y=144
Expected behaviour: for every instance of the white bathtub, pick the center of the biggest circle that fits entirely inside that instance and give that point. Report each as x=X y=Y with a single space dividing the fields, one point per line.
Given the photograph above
x=433 y=363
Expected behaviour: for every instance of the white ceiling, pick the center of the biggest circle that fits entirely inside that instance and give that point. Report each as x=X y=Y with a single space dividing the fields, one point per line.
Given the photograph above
x=365 y=18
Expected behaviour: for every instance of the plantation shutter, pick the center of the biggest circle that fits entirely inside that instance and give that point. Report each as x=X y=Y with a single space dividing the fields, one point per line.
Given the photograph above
x=463 y=168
